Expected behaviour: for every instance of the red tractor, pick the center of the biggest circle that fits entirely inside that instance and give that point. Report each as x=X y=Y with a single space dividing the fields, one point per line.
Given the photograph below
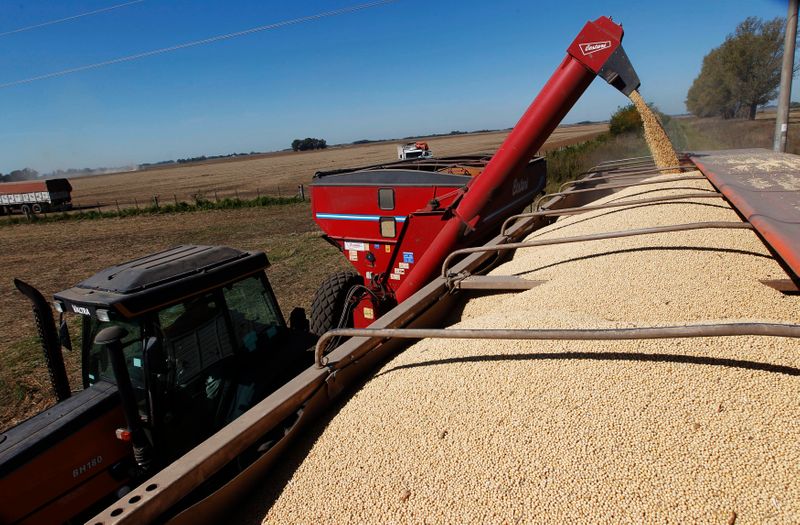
x=174 y=346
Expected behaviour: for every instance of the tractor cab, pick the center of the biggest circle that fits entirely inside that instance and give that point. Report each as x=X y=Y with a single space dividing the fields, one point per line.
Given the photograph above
x=174 y=346
x=201 y=334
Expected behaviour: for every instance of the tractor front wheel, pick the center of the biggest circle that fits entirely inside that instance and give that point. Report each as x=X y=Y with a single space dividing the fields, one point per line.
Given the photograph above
x=330 y=301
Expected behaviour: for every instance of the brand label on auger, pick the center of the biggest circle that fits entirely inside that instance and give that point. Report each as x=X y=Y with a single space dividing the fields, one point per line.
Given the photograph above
x=592 y=47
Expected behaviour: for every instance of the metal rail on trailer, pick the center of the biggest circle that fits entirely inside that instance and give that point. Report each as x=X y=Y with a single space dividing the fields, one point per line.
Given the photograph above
x=764 y=188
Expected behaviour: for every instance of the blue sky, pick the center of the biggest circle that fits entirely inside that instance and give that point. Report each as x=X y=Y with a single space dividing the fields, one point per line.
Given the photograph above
x=410 y=67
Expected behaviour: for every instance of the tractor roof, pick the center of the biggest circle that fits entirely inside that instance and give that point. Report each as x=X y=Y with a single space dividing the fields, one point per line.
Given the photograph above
x=165 y=277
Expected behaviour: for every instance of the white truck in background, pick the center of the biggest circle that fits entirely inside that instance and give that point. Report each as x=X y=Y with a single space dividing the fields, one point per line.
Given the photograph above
x=413 y=150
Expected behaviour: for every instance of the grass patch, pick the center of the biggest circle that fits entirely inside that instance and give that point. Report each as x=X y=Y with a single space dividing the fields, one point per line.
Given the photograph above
x=570 y=162
x=698 y=134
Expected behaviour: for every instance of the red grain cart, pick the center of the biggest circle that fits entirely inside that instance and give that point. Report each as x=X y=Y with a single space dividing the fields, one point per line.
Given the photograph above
x=397 y=223
x=384 y=217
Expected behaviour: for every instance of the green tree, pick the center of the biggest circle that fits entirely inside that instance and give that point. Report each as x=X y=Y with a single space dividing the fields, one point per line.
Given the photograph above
x=308 y=143
x=625 y=119
x=710 y=94
x=741 y=74
x=19 y=175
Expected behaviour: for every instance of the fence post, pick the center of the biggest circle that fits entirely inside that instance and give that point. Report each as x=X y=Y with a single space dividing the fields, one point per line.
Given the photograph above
x=136 y=203
x=216 y=197
x=117 y=202
x=98 y=208
x=155 y=201
x=279 y=192
x=302 y=192
x=174 y=196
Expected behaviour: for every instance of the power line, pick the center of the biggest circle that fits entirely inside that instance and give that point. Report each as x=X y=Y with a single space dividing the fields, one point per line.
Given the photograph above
x=276 y=25
x=73 y=17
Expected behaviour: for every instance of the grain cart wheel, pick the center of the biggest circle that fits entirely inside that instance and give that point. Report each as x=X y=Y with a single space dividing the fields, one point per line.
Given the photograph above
x=37 y=208
x=329 y=301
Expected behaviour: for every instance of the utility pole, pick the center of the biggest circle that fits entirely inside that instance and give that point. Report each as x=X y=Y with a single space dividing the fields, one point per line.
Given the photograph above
x=782 y=117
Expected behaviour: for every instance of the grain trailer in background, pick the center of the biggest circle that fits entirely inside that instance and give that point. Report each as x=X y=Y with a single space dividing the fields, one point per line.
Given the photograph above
x=35 y=196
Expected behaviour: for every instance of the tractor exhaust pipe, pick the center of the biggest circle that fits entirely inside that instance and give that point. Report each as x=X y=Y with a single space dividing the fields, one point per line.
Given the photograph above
x=597 y=50
x=48 y=336
x=111 y=338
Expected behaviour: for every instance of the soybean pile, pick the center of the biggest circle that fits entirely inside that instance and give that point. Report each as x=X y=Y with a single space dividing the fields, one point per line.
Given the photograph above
x=660 y=146
x=486 y=431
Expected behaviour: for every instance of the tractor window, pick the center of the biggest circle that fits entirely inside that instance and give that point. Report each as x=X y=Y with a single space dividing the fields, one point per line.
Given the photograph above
x=195 y=336
x=253 y=312
x=99 y=365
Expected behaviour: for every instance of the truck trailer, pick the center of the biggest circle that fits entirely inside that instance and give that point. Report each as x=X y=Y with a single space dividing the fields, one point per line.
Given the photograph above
x=35 y=196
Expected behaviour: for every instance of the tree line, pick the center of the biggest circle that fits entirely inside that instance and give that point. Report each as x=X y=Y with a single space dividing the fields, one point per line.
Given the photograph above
x=742 y=74
x=18 y=175
x=308 y=143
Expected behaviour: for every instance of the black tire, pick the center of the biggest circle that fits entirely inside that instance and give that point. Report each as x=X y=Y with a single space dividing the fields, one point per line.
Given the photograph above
x=328 y=302
x=37 y=208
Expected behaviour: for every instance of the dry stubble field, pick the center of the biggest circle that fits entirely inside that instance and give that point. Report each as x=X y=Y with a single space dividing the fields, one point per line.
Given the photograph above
x=283 y=170
x=55 y=255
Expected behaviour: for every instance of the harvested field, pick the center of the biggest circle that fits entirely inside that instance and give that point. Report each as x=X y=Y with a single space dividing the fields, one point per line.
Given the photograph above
x=284 y=170
x=57 y=255
x=680 y=431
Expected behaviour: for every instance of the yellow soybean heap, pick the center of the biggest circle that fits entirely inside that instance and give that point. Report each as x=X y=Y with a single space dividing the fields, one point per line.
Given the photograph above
x=703 y=430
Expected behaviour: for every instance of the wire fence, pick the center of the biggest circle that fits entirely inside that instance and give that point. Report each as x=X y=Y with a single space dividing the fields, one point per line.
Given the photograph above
x=197 y=197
